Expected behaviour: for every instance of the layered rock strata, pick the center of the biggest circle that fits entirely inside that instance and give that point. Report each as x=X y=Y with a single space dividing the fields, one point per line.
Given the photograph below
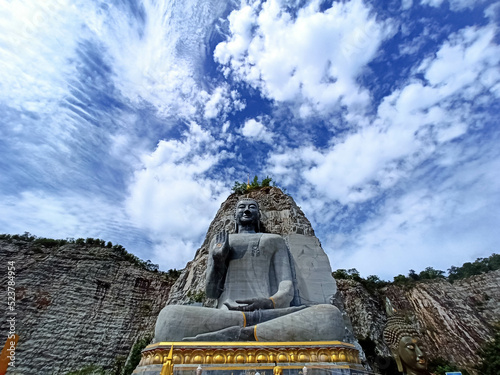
x=455 y=319
x=78 y=305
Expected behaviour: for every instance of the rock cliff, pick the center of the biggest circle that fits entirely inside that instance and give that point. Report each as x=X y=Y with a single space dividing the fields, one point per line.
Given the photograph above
x=455 y=318
x=78 y=305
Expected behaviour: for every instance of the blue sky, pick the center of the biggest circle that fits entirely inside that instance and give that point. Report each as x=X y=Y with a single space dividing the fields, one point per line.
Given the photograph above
x=131 y=120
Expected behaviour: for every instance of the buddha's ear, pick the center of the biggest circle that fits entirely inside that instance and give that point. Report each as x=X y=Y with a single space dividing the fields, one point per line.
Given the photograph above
x=398 y=360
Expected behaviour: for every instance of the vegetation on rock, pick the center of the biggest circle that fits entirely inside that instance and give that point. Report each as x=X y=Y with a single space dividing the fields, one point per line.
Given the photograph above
x=198 y=297
x=38 y=242
x=479 y=266
x=490 y=355
x=135 y=355
x=245 y=187
x=379 y=290
x=440 y=366
x=372 y=282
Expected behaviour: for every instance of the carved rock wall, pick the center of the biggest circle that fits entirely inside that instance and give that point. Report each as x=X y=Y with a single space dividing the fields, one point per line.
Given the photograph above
x=455 y=319
x=77 y=305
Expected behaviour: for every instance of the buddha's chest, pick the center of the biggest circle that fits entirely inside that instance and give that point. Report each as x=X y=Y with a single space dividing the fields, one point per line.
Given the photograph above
x=248 y=246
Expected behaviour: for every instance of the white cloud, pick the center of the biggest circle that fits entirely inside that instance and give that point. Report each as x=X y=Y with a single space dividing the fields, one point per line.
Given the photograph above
x=217 y=102
x=65 y=215
x=38 y=39
x=153 y=58
x=493 y=12
x=415 y=125
x=256 y=130
x=439 y=225
x=467 y=56
x=412 y=121
x=432 y=3
x=313 y=60
x=406 y=4
x=157 y=57
x=173 y=199
x=143 y=58
x=62 y=63
x=455 y=5
x=222 y=102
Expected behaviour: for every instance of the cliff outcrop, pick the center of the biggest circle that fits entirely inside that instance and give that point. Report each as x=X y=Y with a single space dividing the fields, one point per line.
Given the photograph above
x=78 y=305
x=455 y=318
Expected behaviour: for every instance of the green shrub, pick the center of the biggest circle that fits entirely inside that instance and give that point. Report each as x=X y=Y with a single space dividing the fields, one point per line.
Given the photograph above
x=49 y=242
x=401 y=279
x=196 y=296
x=440 y=366
x=372 y=283
x=430 y=273
x=350 y=274
x=173 y=274
x=135 y=355
x=490 y=355
x=242 y=187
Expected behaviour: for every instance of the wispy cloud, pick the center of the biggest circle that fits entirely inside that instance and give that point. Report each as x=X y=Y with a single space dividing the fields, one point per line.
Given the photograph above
x=129 y=121
x=441 y=217
x=70 y=216
x=455 y=5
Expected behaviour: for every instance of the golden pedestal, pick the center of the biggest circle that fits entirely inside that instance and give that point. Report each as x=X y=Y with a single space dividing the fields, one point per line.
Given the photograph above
x=248 y=358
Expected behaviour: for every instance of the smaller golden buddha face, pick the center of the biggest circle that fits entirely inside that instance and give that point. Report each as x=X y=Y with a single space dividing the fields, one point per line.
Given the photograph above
x=412 y=355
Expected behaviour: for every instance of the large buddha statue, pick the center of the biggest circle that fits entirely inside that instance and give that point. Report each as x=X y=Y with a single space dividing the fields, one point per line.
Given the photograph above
x=404 y=342
x=251 y=276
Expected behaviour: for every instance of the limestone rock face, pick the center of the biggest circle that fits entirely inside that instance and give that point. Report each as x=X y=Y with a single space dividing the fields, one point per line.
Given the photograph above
x=455 y=319
x=78 y=305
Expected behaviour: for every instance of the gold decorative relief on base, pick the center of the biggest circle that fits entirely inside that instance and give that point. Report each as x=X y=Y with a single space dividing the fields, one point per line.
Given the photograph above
x=238 y=354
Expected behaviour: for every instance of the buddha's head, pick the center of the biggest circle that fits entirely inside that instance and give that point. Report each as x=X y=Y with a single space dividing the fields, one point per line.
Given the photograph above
x=247 y=214
x=404 y=341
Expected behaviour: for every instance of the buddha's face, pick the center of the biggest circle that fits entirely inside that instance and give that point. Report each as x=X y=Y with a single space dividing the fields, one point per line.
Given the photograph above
x=247 y=212
x=412 y=355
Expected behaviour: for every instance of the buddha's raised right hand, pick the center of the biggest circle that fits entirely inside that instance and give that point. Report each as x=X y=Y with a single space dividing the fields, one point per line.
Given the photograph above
x=221 y=246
